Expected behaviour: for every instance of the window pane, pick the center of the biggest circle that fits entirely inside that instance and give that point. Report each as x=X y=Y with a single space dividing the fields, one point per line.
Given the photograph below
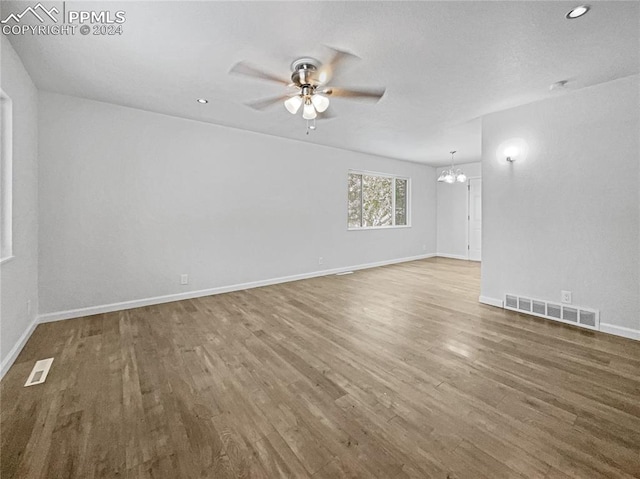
x=355 y=201
x=376 y=201
x=401 y=202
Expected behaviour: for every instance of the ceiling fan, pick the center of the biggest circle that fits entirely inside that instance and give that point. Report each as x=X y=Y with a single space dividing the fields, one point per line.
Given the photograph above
x=307 y=87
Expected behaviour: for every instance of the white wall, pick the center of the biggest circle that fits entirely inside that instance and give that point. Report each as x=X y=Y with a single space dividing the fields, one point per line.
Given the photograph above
x=130 y=199
x=19 y=276
x=567 y=218
x=452 y=221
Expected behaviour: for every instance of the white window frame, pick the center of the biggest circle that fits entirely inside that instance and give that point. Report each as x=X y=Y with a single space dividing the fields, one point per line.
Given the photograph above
x=6 y=177
x=393 y=200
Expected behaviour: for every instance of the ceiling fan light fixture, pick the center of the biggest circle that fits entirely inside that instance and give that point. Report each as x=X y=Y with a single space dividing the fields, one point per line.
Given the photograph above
x=309 y=111
x=293 y=104
x=320 y=102
x=460 y=176
x=306 y=88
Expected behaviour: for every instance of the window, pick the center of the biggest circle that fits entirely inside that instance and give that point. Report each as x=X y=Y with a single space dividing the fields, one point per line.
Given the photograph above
x=6 y=182
x=377 y=201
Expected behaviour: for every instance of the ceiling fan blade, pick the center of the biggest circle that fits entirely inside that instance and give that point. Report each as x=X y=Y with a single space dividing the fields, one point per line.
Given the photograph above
x=369 y=94
x=326 y=115
x=242 y=68
x=339 y=58
x=267 y=102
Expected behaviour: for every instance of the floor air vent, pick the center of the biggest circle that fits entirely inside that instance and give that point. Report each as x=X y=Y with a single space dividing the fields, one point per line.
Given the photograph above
x=39 y=372
x=585 y=317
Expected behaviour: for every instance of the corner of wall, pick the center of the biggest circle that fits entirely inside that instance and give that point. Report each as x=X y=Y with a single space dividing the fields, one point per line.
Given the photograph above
x=19 y=294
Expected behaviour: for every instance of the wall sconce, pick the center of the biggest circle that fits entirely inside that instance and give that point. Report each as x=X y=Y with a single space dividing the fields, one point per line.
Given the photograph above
x=511 y=153
x=512 y=150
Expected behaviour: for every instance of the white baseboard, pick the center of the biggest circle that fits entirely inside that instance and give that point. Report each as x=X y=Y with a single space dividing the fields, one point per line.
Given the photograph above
x=109 y=308
x=620 y=331
x=452 y=256
x=8 y=361
x=498 y=303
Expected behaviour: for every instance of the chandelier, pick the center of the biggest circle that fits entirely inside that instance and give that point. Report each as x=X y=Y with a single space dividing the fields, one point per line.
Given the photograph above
x=451 y=174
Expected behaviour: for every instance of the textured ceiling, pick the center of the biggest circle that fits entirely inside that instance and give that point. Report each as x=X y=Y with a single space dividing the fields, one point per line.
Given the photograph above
x=444 y=64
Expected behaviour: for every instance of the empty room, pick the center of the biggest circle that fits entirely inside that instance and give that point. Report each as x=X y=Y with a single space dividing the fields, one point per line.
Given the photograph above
x=318 y=239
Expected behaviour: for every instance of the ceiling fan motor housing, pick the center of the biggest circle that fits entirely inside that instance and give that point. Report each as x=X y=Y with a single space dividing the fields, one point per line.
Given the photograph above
x=303 y=72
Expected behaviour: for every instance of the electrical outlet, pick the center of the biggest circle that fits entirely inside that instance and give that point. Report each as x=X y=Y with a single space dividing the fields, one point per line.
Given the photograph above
x=565 y=296
x=184 y=279
x=424 y=247
x=320 y=260
x=28 y=308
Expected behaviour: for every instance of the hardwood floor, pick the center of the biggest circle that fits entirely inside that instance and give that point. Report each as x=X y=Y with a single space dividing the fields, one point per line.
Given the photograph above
x=394 y=372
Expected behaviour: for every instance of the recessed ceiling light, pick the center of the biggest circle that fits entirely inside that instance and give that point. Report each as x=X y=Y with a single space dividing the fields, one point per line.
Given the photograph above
x=577 y=12
x=202 y=100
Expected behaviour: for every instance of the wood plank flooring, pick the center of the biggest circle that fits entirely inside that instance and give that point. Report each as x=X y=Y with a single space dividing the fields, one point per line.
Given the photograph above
x=393 y=372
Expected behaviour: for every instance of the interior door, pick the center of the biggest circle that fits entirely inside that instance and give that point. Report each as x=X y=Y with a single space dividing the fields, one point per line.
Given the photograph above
x=475 y=219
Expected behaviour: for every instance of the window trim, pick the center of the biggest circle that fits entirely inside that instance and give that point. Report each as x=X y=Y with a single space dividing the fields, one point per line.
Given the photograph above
x=393 y=200
x=6 y=167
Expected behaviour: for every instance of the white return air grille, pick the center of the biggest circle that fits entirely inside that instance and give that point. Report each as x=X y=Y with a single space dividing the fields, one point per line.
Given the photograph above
x=565 y=313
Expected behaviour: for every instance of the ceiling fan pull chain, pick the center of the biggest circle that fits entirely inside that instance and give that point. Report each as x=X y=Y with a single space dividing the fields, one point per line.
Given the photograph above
x=311 y=125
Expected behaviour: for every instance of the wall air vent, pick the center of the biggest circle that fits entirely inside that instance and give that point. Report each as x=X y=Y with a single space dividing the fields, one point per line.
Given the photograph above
x=570 y=314
x=539 y=307
x=554 y=311
x=524 y=304
x=588 y=318
x=585 y=317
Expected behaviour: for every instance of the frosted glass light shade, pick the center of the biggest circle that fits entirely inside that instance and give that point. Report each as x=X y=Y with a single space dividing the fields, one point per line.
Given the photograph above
x=320 y=102
x=511 y=152
x=293 y=104
x=309 y=112
x=452 y=174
